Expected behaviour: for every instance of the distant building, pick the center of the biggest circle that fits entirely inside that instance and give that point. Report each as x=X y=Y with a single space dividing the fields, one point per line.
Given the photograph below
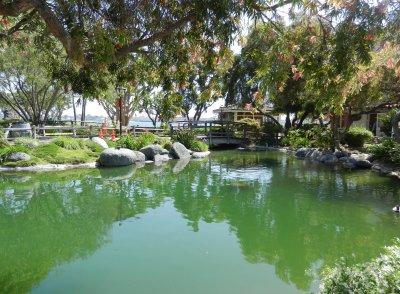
x=369 y=121
x=236 y=114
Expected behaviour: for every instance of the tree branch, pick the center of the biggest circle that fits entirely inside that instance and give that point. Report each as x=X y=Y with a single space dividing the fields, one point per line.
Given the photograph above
x=134 y=46
x=55 y=27
x=15 y=8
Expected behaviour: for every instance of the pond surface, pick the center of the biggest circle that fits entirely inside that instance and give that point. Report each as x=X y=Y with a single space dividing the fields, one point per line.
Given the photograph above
x=237 y=222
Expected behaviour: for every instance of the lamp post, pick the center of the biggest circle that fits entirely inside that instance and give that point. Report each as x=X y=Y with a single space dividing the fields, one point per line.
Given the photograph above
x=121 y=94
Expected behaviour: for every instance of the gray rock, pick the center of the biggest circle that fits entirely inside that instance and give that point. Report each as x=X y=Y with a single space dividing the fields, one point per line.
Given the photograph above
x=161 y=157
x=309 y=153
x=302 y=152
x=140 y=156
x=18 y=156
x=328 y=158
x=382 y=169
x=363 y=164
x=100 y=141
x=151 y=150
x=360 y=156
x=164 y=151
x=348 y=165
x=343 y=159
x=117 y=157
x=341 y=154
x=316 y=154
x=199 y=155
x=179 y=151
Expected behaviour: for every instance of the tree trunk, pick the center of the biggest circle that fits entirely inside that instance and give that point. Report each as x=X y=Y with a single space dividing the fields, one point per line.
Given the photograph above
x=288 y=124
x=335 y=133
x=395 y=126
x=83 y=115
x=74 y=108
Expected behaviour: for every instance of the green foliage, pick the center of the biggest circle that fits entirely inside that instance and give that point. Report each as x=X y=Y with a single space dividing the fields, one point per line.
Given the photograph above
x=7 y=151
x=272 y=129
x=69 y=143
x=198 y=146
x=136 y=143
x=388 y=150
x=127 y=141
x=316 y=136
x=94 y=147
x=386 y=122
x=357 y=136
x=188 y=139
x=251 y=123
x=111 y=143
x=381 y=275
x=3 y=143
x=185 y=137
x=27 y=142
x=53 y=153
x=165 y=143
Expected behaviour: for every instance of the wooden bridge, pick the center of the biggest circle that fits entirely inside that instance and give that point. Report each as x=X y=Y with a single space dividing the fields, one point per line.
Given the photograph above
x=211 y=132
x=218 y=132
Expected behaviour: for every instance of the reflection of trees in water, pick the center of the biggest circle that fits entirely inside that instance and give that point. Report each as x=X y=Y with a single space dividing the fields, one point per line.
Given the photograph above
x=263 y=197
x=278 y=224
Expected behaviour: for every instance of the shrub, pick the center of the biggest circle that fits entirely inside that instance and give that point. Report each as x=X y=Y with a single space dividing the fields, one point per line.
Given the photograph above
x=185 y=137
x=381 y=150
x=145 y=139
x=381 y=275
x=272 y=129
x=111 y=143
x=69 y=143
x=251 y=123
x=165 y=143
x=134 y=143
x=27 y=142
x=357 y=136
x=199 y=146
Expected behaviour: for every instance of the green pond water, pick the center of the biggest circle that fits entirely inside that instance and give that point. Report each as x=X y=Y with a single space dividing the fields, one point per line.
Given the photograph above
x=236 y=222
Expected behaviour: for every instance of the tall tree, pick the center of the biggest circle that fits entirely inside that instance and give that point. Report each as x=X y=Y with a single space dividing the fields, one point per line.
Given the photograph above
x=100 y=36
x=27 y=88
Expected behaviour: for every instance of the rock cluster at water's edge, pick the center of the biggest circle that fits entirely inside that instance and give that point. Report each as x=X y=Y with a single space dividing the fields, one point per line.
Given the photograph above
x=347 y=160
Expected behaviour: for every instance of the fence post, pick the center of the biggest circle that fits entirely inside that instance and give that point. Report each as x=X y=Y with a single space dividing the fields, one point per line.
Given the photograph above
x=34 y=132
x=90 y=132
x=172 y=130
x=134 y=131
x=209 y=134
x=74 y=131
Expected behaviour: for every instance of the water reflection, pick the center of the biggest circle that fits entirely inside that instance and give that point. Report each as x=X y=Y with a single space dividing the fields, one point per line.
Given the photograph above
x=292 y=214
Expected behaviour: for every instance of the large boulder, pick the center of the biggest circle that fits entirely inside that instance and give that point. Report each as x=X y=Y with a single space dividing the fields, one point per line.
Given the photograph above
x=117 y=157
x=361 y=160
x=152 y=150
x=140 y=157
x=340 y=154
x=100 y=141
x=179 y=151
x=316 y=154
x=302 y=152
x=328 y=158
x=18 y=156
